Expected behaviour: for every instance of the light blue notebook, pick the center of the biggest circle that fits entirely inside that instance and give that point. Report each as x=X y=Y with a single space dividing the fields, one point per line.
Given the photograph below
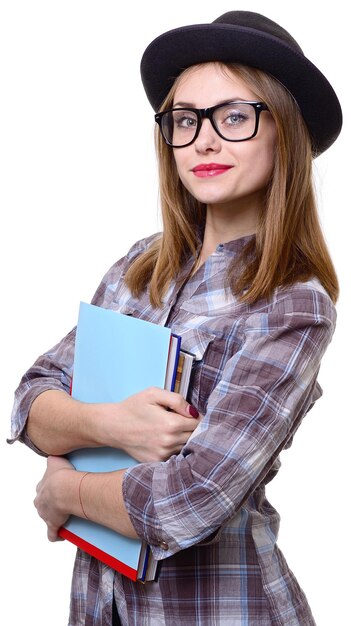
x=115 y=356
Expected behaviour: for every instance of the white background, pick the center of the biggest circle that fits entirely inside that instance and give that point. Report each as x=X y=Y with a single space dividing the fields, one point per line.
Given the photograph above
x=78 y=187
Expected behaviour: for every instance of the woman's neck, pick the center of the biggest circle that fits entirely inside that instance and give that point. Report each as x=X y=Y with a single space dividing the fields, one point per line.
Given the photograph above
x=225 y=224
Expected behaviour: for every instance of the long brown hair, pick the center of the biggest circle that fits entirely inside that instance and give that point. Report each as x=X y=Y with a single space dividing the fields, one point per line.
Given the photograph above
x=289 y=244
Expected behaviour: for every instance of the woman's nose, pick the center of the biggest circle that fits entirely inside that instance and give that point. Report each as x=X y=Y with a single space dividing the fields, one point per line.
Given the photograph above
x=208 y=139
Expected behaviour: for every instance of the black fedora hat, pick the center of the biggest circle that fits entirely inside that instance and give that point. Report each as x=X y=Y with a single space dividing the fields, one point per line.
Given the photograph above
x=254 y=40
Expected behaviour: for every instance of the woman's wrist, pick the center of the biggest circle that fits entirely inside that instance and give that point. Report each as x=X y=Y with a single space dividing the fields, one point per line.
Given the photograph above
x=106 y=424
x=66 y=491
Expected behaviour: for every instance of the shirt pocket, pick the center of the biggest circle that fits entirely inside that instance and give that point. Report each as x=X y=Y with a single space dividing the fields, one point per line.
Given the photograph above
x=198 y=342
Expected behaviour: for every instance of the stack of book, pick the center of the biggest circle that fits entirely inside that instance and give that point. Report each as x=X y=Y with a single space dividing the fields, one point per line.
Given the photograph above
x=115 y=357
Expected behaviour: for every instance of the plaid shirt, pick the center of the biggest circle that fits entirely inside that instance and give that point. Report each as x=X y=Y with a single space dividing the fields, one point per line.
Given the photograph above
x=204 y=512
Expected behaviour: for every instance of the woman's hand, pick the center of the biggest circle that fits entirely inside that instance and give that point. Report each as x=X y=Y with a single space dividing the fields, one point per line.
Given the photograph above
x=49 y=499
x=150 y=425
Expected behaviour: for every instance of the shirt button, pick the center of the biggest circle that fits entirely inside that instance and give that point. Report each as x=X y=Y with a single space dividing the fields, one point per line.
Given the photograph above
x=164 y=545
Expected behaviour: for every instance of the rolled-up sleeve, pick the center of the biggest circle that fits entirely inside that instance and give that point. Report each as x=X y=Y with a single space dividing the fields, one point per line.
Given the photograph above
x=53 y=370
x=266 y=388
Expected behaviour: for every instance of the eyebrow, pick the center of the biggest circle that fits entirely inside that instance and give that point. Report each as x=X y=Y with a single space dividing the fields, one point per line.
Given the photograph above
x=192 y=106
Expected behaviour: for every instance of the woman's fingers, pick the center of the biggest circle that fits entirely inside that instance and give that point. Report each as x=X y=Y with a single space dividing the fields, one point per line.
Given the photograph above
x=171 y=400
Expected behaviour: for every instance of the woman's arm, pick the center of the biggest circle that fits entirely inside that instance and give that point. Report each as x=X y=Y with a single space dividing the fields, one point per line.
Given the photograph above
x=63 y=492
x=142 y=425
x=50 y=421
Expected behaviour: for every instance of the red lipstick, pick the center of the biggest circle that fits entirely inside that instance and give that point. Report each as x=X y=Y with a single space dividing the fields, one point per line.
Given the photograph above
x=205 y=170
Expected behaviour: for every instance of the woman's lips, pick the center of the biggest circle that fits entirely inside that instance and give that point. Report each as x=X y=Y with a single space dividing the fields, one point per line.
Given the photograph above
x=205 y=170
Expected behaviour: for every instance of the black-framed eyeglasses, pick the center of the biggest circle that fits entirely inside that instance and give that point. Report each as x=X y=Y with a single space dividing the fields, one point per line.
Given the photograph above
x=232 y=121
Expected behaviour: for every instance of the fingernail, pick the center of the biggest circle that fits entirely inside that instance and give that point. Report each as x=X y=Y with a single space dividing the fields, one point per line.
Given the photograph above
x=193 y=412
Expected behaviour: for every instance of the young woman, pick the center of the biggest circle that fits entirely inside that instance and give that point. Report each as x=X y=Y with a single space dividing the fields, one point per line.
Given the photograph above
x=241 y=271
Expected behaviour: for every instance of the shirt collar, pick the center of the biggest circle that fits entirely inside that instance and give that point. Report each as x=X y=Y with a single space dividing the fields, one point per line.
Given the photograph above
x=236 y=245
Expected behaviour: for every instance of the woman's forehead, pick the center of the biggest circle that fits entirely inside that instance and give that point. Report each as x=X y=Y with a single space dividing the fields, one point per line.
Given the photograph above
x=212 y=81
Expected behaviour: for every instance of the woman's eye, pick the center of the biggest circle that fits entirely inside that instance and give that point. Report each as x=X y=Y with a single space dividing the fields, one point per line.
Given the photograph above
x=185 y=121
x=234 y=118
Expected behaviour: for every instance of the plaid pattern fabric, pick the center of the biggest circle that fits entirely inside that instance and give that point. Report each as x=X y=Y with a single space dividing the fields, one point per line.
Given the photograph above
x=204 y=512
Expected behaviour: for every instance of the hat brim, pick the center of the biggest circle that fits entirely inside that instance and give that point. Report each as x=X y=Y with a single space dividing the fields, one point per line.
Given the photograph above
x=168 y=55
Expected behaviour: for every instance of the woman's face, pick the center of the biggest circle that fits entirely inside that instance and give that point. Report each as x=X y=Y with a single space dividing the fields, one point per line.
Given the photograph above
x=250 y=163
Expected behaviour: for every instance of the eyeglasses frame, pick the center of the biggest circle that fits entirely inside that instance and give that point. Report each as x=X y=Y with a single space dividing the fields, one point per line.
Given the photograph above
x=208 y=114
